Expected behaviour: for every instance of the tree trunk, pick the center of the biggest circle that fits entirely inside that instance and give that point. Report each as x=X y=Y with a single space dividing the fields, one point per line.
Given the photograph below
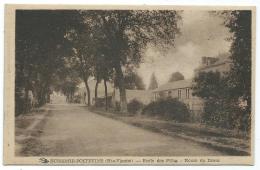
x=96 y=88
x=121 y=85
x=88 y=91
x=26 y=105
x=42 y=91
x=71 y=97
x=105 y=84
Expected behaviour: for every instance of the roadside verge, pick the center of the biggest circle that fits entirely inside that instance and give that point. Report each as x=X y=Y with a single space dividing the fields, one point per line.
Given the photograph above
x=28 y=127
x=220 y=139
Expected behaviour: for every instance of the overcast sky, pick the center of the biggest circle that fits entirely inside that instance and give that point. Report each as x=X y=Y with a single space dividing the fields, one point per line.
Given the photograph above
x=202 y=34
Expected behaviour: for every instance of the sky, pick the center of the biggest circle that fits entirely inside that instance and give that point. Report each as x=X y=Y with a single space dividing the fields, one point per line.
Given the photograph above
x=202 y=34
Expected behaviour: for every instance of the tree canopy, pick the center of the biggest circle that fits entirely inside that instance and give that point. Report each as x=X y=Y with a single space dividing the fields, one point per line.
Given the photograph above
x=39 y=52
x=176 y=76
x=153 y=83
x=123 y=35
x=134 y=81
x=98 y=43
x=240 y=25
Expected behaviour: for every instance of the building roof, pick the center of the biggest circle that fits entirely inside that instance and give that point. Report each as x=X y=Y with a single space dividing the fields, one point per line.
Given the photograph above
x=221 y=59
x=174 y=85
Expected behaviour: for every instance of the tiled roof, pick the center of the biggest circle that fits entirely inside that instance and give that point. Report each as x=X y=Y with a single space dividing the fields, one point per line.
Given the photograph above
x=174 y=85
x=221 y=59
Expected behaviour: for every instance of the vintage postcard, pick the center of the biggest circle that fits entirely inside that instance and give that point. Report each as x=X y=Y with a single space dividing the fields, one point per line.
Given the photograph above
x=129 y=85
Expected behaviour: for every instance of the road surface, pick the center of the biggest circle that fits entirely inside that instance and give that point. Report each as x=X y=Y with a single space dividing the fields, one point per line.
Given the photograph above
x=72 y=130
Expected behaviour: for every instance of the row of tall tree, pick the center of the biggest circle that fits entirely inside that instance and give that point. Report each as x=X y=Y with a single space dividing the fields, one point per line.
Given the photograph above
x=39 y=36
x=112 y=43
x=60 y=45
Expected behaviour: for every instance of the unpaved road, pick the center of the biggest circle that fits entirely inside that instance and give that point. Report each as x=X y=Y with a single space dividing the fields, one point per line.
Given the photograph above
x=72 y=130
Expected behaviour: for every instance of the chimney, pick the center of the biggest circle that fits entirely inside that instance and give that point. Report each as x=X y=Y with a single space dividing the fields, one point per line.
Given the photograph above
x=208 y=60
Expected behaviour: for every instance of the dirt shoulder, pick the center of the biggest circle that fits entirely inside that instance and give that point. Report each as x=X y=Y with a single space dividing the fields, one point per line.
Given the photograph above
x=227 y=141
x=28 y=127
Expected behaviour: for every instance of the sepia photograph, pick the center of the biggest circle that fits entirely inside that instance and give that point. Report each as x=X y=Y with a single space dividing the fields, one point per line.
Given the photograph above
x=129 y=85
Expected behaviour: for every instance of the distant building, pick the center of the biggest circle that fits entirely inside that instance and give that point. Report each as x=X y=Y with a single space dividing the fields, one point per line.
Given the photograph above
x=221 y=63
x=181 y=90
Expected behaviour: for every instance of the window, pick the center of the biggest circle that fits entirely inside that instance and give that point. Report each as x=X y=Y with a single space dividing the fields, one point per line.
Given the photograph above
x=187 y=93
x=179 y=93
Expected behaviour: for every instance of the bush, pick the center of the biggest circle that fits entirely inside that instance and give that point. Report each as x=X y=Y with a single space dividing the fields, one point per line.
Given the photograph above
x=168 y=108
x=134 y=106
x=225 y=114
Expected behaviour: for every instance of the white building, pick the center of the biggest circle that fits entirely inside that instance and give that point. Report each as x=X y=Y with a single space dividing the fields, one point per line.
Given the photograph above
x=181 y=90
